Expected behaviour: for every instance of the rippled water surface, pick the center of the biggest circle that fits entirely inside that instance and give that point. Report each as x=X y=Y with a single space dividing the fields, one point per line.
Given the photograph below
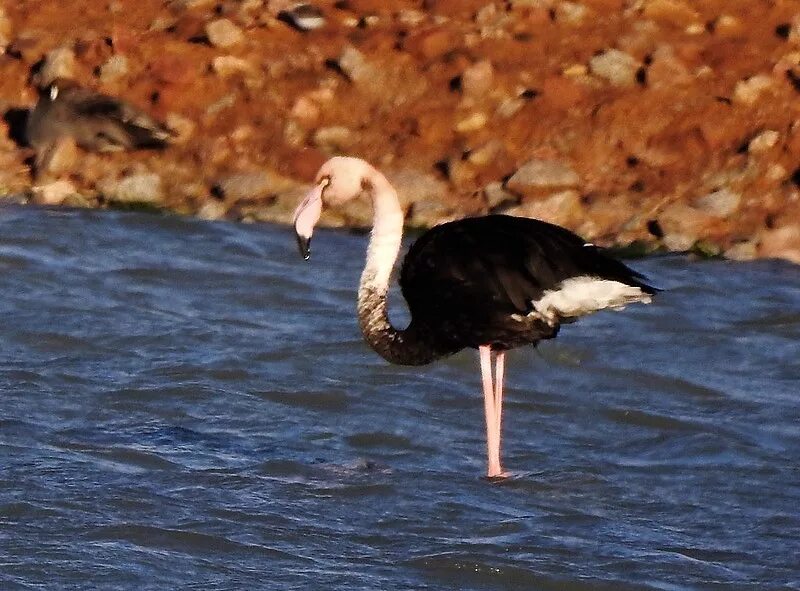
x=188 y=405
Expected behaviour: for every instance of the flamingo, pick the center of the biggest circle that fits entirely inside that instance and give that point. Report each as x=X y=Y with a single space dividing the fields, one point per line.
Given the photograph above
x=490 y=283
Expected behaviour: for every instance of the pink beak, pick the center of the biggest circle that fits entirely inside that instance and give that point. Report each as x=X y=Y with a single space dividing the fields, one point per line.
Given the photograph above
x=306 y=217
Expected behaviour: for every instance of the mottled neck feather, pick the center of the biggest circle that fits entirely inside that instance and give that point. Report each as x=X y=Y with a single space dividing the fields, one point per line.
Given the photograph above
x=403 y=347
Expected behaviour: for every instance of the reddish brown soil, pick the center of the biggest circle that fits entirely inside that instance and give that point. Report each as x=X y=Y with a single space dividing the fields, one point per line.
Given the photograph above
x=644 y=153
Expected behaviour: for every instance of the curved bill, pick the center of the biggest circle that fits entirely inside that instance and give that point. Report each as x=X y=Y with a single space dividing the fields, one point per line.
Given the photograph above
x=306 y=216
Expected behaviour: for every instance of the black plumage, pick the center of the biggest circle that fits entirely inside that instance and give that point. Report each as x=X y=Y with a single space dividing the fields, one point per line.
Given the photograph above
x=472 y=282
x=492 y=283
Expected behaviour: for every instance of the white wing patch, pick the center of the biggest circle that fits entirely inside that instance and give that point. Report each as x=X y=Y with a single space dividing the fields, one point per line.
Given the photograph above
x=583 y=295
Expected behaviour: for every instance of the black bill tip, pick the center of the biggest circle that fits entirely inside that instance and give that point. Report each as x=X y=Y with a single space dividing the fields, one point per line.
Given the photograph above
x=304 y=244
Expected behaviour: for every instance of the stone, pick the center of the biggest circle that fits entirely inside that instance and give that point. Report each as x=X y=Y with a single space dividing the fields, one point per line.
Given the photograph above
x=493 y=22
x=706 y=249
x=509 y=107
x=294 y=134
x=477 y=80
x=225 y=102
x=520 y=4
x=609 y=215
x=162 y=23
x=485 y=154
x=78 y=200
x=720 y=203
x=58 y=63
x=729 y=27
x=667 y=70
x=305 y=110
x=571 y=13
x=472 y=122
x=242 y=133
x=229 y=65
x=414 y=187
x=53 y=193
x=6 y=29
x=114 y=68
x=15 y=197
x=252 y=185
x=303 y=17
x=783 y=242
x=223 y=33
x=741 y=251
x=542 y=174
x=411 y=17
x=699 y=29
x=369 y=20
x=562 y=208
x=496 y=196
x=394 y=82
x=189 y=4
x=763 y=142
x=748 y=91
x=794 y=31
x=136 y=188
x=250 y=6
x=183 y=127
x=212 y=210
x=354 y=65
x=575 y=71
x=776 y=173
x=278 y=208
x=332 y=139
x=674 y=12
x=435 y=44
x=615 y=66
x=461 y=174
x=677 y=242
x=324 y=94
x=683 y=225
x=426 y=214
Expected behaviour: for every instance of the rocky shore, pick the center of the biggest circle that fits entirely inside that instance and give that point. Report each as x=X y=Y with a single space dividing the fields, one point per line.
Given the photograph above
x=664 y=123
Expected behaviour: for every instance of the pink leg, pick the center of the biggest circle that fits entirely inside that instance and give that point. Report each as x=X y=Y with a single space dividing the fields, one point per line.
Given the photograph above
x=490 y=407
x=498 y=393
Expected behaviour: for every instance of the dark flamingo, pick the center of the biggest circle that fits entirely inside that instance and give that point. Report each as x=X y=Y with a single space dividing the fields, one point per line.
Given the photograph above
x=491 y=283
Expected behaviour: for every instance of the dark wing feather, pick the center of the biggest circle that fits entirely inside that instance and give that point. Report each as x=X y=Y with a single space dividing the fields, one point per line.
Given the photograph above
x=473 y=274
x=117 y=123
x=97 y=105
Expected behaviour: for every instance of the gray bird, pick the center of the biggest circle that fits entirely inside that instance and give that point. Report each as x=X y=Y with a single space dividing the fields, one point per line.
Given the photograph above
x=95 y=121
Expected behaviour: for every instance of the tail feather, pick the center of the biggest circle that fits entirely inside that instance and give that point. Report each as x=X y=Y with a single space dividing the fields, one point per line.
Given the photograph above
x=144 y=136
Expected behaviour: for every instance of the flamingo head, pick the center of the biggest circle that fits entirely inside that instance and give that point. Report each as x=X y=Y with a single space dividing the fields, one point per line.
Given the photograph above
x=339 y=180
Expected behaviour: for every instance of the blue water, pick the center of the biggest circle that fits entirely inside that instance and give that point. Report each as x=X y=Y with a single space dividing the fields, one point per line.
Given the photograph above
x=189 y=405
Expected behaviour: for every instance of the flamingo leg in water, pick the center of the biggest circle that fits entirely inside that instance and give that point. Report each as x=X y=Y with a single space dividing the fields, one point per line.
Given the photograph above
x=490 y=409
x=499 y=361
